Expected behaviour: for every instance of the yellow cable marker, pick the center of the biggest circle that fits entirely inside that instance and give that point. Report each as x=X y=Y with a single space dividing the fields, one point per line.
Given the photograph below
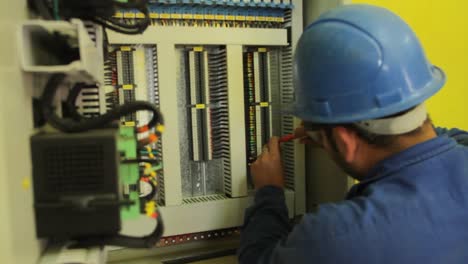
x=129 y=15
x=187 y=16
x=240 y=18
x=176 y=16
x=160 y=128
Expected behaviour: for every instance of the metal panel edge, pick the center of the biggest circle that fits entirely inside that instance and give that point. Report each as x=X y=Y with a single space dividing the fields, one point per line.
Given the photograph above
x=207 y=36
x=299 y=149
x=213 y=215
x=171 y=141
x=236 y=120
x=19 y=243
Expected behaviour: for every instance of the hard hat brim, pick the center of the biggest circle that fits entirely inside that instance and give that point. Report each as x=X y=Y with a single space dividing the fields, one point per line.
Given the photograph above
x=418 y=97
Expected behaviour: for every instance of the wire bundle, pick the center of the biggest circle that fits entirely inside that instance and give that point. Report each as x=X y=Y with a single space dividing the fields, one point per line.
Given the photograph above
x=151 y=58
x=126 y=78
x=84 y=124
x=100 y=12
x=249 y=84
x=111 y=79
x=264 y=97
x=90 y=105
x=192 y=15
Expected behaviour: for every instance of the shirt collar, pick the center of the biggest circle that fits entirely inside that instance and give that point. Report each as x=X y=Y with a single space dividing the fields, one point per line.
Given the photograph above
x=407 y=157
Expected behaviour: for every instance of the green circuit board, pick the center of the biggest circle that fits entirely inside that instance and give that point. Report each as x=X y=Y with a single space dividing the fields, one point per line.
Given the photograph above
x=129 y=172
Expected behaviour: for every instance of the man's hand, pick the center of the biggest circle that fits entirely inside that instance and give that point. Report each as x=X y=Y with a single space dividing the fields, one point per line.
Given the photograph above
x=268 y=168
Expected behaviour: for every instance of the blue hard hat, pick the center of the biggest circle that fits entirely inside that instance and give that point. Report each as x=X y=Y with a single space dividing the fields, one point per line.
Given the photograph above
x=360 y=62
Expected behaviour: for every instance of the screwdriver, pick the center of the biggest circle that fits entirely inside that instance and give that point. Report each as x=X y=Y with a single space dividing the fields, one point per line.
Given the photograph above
x=286 y=138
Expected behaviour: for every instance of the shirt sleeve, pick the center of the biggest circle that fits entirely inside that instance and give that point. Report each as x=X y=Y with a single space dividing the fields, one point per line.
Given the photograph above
x=266 y=224
x=459 y=135
x=268 y=238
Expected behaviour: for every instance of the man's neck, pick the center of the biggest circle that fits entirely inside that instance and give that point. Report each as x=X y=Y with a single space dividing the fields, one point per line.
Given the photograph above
x=376 y=155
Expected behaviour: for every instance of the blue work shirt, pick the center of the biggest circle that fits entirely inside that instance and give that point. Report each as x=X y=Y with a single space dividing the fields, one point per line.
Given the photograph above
x=412 y=208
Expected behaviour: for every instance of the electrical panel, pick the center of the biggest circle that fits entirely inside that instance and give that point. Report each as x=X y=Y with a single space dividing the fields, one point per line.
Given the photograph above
x=221 y=74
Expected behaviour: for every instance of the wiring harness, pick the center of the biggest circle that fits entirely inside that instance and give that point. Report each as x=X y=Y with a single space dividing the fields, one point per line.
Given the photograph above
x=98 y=11
x=79 y=123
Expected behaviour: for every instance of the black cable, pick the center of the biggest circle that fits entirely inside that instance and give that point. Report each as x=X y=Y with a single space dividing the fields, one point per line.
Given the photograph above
x=72 y=126
x=85 y=9
x=100 y=12
x=140 y=5
x=42 y=8
x=147 y=241
x=124 y=28
x=131 y=4
x=120 y=27
x=114 y=24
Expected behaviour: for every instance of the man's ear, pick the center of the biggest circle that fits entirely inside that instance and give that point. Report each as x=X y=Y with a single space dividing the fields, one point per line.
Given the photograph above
x=346 y=142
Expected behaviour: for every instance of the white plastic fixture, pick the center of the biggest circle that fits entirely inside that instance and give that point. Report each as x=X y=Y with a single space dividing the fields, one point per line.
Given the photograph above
x=37 y=57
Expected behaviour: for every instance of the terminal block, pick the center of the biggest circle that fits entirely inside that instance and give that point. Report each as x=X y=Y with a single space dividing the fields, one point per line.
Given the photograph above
x=257 y=92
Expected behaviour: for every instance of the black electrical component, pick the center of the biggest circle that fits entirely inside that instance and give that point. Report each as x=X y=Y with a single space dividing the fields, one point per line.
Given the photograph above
x=76 y=192
x=78 y=195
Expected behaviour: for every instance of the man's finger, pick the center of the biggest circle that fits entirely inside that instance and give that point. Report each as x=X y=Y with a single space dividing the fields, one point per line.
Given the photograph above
x=273 y=146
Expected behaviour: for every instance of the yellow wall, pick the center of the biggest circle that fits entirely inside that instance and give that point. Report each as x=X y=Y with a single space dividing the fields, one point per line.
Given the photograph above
x=442 y=27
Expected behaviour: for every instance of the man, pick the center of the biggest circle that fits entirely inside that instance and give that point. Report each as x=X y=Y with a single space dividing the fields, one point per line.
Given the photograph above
x=361 y=82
